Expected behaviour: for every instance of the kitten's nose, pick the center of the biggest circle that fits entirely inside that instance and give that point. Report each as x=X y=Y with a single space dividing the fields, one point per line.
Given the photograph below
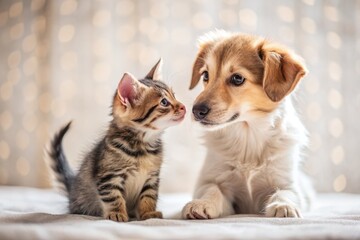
x=182 y=107
x=181 y=110
x=200 y=111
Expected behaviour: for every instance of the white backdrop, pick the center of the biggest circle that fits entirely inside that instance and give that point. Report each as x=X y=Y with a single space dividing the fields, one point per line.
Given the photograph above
x=61 y=60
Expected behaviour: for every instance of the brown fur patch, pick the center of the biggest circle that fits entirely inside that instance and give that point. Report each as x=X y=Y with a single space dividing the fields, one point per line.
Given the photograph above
x=146 y=205
x=199 y=63
x=282 y=71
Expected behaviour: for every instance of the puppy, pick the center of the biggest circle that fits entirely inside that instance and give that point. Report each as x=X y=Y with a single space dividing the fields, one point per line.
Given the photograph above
x=254 y=138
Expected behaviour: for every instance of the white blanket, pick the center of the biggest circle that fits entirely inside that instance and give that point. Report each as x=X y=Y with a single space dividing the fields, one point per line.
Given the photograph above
x=27 y=213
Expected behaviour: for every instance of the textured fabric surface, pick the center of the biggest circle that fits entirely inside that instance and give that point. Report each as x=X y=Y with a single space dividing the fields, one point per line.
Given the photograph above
x=61 y=60
x=28 y=213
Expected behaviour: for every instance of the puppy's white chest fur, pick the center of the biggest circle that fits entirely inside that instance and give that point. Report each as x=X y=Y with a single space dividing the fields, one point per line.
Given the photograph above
x=241 y=154
x=245 y=187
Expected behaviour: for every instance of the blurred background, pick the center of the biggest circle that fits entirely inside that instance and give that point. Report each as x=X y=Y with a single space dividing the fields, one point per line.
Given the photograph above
x=62 y=60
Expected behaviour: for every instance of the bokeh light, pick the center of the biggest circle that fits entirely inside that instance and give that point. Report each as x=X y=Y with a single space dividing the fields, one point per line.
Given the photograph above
x=62 y=60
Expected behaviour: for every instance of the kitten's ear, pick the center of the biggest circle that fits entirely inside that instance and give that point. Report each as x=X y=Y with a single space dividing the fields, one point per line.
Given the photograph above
x=156 y=71
x=128 y=89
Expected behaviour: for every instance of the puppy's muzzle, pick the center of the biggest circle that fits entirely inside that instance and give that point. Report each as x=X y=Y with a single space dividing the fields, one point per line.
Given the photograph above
x=200 y=111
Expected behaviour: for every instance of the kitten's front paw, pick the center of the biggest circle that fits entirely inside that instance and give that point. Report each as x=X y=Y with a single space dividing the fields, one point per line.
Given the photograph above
x=282 y=210
x=118 y=217
x=200 y=209
x=153 y=214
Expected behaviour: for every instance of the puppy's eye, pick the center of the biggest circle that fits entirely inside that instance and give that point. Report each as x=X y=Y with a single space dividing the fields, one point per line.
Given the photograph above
x=237 y=80
x=164 y=102
x=205 y=76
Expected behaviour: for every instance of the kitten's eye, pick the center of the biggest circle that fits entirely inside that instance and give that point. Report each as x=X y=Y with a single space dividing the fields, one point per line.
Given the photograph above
x=164 y=102
x=205 y=76
x=237 y=80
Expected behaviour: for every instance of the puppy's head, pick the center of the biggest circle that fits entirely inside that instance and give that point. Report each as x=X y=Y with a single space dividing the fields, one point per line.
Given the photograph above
x=244 y=77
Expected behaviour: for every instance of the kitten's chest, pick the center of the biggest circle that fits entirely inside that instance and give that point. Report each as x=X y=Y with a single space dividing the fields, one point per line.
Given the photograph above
x=138 y=177
x=134 y=183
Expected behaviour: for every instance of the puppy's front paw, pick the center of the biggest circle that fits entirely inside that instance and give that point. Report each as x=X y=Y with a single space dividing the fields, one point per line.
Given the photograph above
x=200 y=209
x=153 y=214
x=282 y=210
x=118 y=217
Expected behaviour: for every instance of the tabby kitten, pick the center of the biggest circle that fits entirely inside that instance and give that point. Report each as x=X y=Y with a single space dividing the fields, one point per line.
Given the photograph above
x=119 y=177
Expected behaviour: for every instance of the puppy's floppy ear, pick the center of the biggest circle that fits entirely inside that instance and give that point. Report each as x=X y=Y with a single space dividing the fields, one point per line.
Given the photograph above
x=282 y=70
x=156 y=71
x=205 y=42
x=199 y=63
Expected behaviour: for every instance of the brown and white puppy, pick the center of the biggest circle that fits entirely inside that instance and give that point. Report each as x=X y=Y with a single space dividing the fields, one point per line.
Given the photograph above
x=255 y=138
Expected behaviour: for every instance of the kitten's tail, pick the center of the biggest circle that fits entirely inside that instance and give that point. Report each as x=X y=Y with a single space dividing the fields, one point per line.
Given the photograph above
x=59 y=164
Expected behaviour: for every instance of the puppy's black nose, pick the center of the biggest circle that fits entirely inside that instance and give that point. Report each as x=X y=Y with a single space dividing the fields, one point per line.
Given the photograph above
x=200 y=111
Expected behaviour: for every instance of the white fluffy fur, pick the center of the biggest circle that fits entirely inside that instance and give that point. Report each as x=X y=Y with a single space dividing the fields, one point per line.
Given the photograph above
x=255 y=164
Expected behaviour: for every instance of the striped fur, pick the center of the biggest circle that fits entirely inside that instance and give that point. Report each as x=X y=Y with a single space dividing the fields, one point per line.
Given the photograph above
x=119 y=177
x=64 y=174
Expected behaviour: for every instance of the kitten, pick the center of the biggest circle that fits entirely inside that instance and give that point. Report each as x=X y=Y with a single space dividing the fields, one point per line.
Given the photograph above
x=119 y=177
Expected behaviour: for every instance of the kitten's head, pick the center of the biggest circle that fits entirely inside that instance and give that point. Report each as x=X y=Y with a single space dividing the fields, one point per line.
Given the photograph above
x=147 y=104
